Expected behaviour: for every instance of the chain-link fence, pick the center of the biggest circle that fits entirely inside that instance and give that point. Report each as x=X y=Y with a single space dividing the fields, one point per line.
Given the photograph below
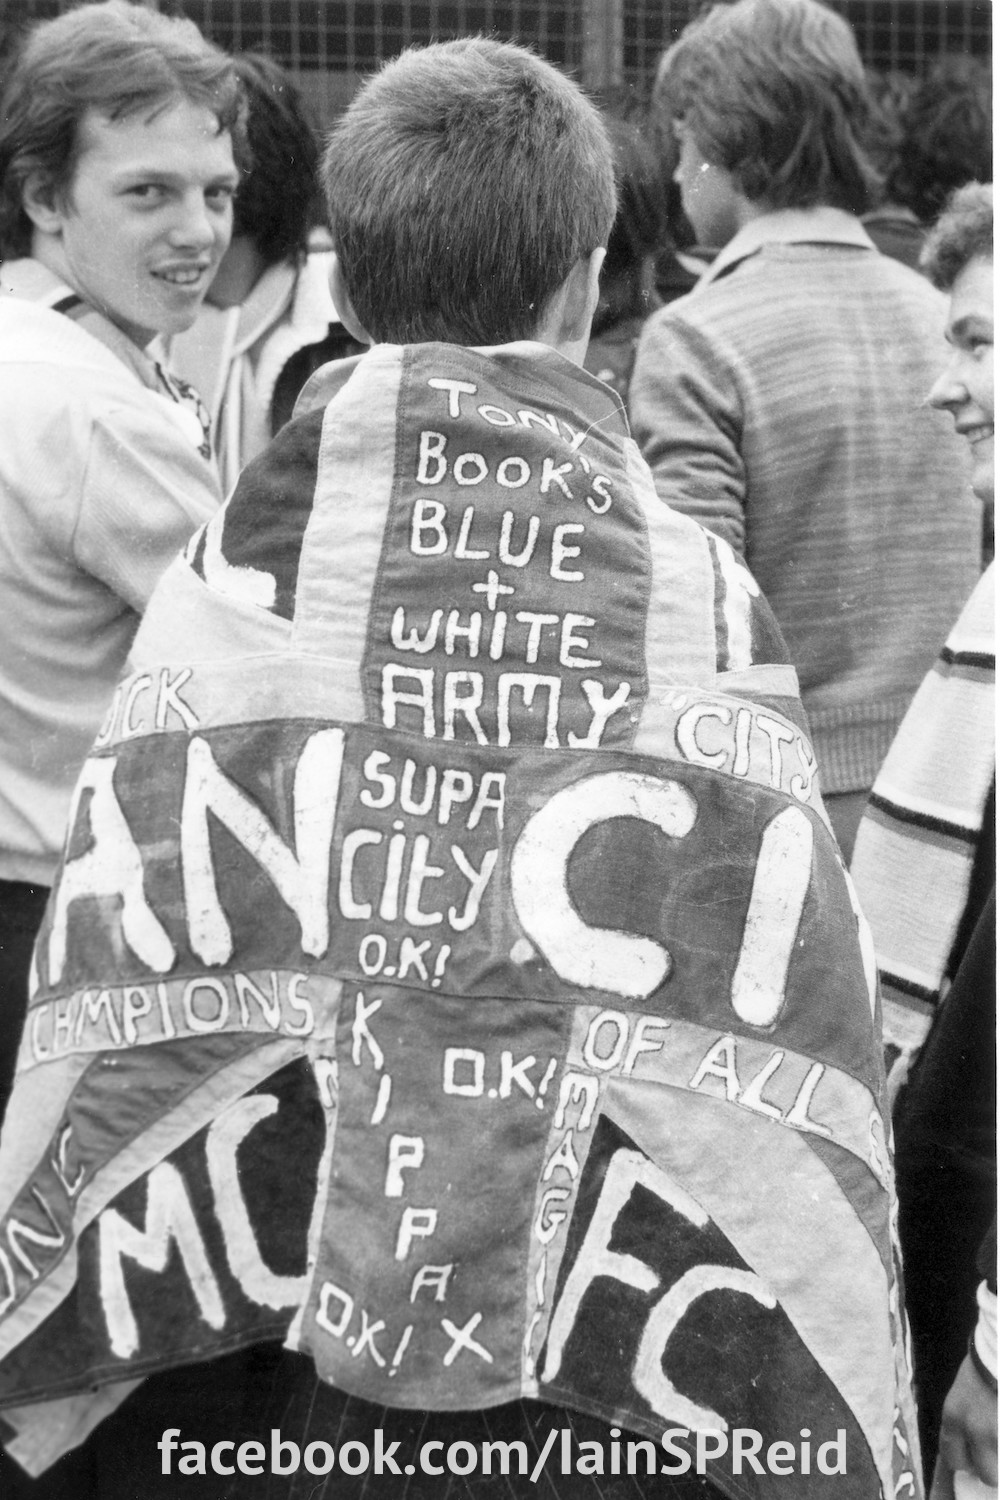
x=904 y=34
x=329 y=43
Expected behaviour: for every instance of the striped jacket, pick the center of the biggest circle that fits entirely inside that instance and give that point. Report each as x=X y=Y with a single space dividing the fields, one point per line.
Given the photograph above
x=782 y=404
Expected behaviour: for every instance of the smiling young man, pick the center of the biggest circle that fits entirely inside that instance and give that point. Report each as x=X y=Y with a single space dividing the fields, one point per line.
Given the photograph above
x=117 y=174
x=142 y=226
x=965 y=386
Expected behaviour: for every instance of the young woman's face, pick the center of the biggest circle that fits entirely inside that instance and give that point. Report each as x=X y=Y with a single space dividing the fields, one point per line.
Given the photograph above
x=965 y=386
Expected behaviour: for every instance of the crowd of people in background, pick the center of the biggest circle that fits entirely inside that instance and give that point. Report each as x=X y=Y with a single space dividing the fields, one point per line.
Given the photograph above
x=744 y=332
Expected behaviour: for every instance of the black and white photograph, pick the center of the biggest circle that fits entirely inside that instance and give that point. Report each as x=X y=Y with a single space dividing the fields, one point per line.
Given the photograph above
x=453 y=1045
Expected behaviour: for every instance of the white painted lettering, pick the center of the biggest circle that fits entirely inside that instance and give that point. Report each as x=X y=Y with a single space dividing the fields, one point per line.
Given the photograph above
x=225 y=1136
x=411 y=641
x=527 y=683
x=420 y=872
x=505 y=553
x=139 y=685
x=478 y=881
x=570 y=641
x=352 y=909
x=572 y=1087
x=513 y=473
x=464 y=1057
x=535 y=623
x=561 y=550
x=406 y=1153
x=111 y=866
x=170 y=1220
x=604 y=1062
x=626 y=1170
x=554 y=474
x=416 y=1223
x=422 y=697
x=470 y=468
x=431 y=452
x=778 y=734
x=719 y=1062
x=592 y=957
x=169 y=700
x=462 y=548
x=641 y=1041
x=407 y=800
x=301 y=878
x=687 y=733
x=361 y=1035
x=455 y=389
x=780 y=885
x=435 y=1277
x=649 y=1376
x=373 y=772
x=602 y=708
x=458 y=704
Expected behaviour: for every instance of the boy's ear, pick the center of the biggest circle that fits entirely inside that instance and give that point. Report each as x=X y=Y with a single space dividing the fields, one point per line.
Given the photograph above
x=589 y=272
x=40 y=202
x=344 y=306
x=570 y=311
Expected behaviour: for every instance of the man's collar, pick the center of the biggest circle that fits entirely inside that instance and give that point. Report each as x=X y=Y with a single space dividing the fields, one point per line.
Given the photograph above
x=266 y=301
x=29 y=280
x=790 y=226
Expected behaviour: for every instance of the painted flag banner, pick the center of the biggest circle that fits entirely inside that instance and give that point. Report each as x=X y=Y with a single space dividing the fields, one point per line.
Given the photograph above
x=451 y=969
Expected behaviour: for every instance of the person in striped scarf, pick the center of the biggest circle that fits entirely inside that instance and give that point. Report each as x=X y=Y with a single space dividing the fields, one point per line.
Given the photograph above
x=925 y=870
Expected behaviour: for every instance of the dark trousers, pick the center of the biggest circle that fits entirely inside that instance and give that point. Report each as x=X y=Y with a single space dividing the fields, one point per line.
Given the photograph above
x=945 y=1125
x=21 y=910
x=240 y=1397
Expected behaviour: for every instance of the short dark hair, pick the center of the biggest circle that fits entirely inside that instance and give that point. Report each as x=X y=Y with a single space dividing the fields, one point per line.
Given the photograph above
x=946 y=136
x=640 y=226
x=114 y=58
x=964 y=232
x=463 y=183
x=277 y=193
x=774 y=91
x=890 y=92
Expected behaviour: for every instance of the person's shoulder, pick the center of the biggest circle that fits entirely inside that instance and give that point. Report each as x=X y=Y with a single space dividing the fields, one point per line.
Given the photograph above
x=702 y=323
x=733 y=286
x=895 y=272
x=42 y=351
x=899 y=303
x=53 y=381
x=34 y=333
x=327 y=381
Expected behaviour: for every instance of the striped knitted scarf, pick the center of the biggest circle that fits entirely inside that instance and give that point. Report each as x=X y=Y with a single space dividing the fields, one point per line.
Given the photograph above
x=916 y=844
